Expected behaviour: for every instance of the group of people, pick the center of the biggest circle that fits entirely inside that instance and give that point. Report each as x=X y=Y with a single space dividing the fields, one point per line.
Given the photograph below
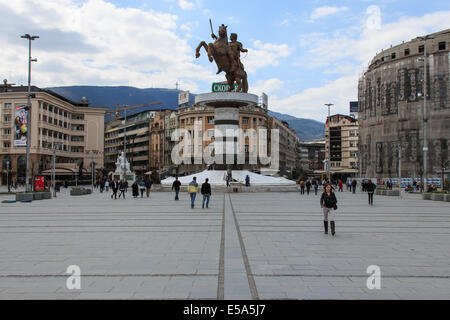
x=121 y=186
x=193 y=189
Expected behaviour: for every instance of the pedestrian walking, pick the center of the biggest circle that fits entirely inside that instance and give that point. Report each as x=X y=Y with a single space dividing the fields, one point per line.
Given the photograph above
x=354 y=183
x=135 y=189
x=316 y=186
x=206 y=192
x=107 y=185
x=122 y=188
x=308 y=186
x=341 y=186
x=176 y=186
x=142 y=187
x=328 y=203
x=192 y=190
x=227 y=179
x=370 y=187
x=114 y=188
x=247 y=181
x=148 y=186
x=302 y=187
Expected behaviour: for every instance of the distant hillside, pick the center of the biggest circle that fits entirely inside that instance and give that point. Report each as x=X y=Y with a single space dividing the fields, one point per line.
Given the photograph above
x=305 y=129
x=108 y=97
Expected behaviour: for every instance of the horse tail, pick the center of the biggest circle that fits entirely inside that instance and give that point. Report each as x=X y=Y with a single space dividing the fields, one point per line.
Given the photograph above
x=245 y=83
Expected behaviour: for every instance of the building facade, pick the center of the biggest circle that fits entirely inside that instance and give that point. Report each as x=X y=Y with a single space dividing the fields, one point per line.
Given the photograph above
x=312 y=156
x=74 y=129
x=391 y=109
x=341 y=145
x=289 y=147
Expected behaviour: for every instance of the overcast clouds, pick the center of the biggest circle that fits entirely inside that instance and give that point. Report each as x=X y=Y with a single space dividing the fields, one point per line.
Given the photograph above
x=302 y=56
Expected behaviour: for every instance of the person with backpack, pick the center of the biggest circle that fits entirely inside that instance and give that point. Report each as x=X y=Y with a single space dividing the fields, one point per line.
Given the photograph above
x=370 y=188
x=302 y=187
x=176 y=186
x=328 y=203
x=206 y=192
x=192 y=190
x=142 y=187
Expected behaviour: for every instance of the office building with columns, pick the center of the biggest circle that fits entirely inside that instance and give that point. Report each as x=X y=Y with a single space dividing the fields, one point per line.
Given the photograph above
x=74 y=129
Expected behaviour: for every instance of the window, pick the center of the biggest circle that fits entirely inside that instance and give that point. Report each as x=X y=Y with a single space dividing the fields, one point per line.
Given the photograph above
x=407 y=52
x=442 y=45
x=245 y=121
x=7 y=105
x=421 y=49
x=393 y=55
x=7 y=131
x=7 y=118
x=6 y=144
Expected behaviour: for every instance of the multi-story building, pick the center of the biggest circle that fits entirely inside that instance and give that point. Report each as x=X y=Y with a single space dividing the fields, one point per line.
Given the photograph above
x=312 y=155
x=341 y=138
x=137 y=129
x=289 y=146
x=157 y=139
x=249 y=118
x=391 y=109
x=74 y=129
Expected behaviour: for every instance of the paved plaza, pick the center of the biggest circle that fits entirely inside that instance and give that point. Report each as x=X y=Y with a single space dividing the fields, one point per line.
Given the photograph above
x=245 y=246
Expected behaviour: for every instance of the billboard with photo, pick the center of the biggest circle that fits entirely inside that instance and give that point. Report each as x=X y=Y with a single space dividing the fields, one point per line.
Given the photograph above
x=353 y=106
x=183 y=97
x=20 y=126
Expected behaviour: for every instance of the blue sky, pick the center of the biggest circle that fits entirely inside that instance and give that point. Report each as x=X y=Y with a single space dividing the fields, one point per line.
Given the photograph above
x=302 y=53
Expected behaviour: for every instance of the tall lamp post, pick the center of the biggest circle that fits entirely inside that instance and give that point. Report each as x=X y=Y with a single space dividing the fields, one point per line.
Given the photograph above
x=93 y=152
x=55 y=146
x=329 y=142
x=30 y=38
x=424 y=112
x=7 y=175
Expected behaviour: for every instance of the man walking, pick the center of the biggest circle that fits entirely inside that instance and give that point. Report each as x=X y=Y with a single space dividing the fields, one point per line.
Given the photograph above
x=370 y=187
x=247 y=181
x=316 y=186
x=115 y=188
x=192 y=190
x=302 y=187
x=308 y=186
x=206 y=192
x=122 y=188
x=148 y=186
x=176 y=186
x=354 y=183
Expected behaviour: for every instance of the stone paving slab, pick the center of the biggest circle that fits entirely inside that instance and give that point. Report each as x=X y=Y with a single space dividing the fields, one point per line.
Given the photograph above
x=246 y=245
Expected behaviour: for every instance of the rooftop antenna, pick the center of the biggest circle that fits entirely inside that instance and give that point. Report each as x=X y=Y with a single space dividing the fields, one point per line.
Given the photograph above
x=176 y=85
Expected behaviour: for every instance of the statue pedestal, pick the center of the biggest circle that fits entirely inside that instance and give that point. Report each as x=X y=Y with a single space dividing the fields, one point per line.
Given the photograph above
x=226 y=124
x=123 y=171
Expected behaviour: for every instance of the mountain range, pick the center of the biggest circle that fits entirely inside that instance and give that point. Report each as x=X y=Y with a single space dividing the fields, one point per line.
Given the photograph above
x=108 y=97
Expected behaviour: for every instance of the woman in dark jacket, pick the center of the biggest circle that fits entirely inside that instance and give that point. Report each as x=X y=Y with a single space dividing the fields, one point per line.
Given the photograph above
x=328 y=203
x=135 y=189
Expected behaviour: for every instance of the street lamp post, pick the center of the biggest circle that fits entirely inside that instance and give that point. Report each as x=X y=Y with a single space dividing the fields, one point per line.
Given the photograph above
x=424 y=112
x=55 y=145
x=7 y=176
x=329 y=142
x=93 y=152
x=30 y=38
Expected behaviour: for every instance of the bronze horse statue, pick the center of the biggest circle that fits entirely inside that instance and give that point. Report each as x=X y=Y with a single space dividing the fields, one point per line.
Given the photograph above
x=226 y=60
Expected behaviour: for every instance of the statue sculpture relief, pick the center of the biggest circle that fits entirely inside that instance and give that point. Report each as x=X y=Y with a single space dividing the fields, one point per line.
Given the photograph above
x=227 y=57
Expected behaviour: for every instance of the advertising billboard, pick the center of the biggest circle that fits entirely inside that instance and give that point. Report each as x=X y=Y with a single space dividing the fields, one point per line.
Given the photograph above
x=353 y=106
x=183 y=97
x=20 y=126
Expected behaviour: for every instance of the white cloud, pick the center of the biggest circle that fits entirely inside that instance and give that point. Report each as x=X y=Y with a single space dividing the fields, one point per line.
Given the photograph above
x=96 y=43
x=325 y=11
x=266 y=86
x=345 y=53
x=186 y=5
x=265 y=54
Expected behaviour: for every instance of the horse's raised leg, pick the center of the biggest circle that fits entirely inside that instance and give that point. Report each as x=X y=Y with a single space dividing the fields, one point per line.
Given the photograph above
x=210 y=52
x=200 y=45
